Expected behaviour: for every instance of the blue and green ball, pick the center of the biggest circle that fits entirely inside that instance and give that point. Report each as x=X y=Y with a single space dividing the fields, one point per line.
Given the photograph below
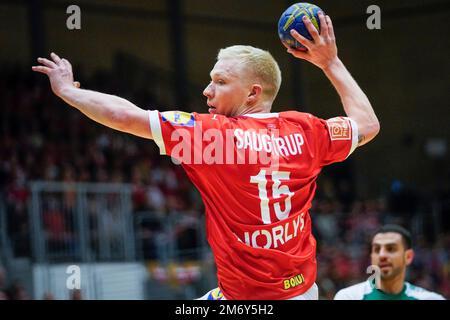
x=292 y=18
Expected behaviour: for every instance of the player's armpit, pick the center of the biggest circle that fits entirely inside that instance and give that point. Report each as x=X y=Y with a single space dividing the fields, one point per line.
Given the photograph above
x=361 y=139
x=367 y=131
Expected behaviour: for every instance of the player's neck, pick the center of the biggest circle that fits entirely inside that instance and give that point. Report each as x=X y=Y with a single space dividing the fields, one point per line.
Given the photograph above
x=260 y=108
x=393 y=286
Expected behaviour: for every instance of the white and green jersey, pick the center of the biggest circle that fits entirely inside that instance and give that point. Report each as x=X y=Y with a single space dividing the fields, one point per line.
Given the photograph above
x=367 y=291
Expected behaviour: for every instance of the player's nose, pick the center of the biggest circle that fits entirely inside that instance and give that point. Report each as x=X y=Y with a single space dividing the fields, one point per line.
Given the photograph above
x=382 y=254
x=207 y=92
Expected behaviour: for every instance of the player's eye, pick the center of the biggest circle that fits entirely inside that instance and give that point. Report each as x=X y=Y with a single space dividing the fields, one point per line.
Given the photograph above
x=390 y=248
x=221 y=81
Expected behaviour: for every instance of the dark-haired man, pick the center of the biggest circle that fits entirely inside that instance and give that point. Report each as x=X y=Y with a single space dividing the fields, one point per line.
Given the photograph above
x=392 y=253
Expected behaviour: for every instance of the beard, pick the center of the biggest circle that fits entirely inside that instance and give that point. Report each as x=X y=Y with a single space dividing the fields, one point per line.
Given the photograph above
x=391 y=274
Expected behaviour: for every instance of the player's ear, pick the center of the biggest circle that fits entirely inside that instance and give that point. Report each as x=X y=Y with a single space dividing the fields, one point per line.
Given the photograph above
x=409 y=256
x=254 y=94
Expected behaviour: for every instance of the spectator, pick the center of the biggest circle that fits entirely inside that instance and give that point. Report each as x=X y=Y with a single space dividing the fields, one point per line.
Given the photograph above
x=3 y=295
x=76 y=295
x=17 y=291
x=48 y=296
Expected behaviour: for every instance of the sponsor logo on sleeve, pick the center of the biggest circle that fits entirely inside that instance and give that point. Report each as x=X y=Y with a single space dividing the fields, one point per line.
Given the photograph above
x=178 y=118
x=294 y=281
x=339 y=129
x=215 y=294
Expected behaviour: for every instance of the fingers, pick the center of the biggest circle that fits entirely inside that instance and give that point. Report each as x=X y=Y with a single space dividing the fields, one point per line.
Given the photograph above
x=330 y=27
x=323 y=25
x=47 y=63
x=41 y=69
x=55 y=58
x=311 y=28
x=67 y=64
x=297 y=36
x=288 y=47
x=49 y=66
x=299 y=53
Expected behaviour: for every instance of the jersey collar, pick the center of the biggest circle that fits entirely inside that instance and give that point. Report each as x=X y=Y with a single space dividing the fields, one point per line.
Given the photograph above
x=261 y=115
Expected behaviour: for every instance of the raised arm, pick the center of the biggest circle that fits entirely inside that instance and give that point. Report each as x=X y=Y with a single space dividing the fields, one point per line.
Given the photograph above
x=109 y=110
x=322 y=52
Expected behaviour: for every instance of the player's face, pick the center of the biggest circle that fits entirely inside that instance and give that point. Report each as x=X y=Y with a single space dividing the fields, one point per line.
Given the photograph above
x=389 y=254
x=228 y=90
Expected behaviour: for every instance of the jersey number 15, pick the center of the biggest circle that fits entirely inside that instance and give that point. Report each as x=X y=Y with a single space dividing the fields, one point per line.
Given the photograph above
x=277 y=191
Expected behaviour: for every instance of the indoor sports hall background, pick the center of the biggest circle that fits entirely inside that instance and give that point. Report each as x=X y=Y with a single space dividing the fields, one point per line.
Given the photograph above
x=76 y=196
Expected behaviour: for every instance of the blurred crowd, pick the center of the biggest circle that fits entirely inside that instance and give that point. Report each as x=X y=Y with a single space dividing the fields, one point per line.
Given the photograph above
x=41 y=138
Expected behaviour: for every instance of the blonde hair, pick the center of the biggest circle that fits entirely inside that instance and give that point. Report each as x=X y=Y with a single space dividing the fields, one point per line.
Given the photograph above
x=260 y=62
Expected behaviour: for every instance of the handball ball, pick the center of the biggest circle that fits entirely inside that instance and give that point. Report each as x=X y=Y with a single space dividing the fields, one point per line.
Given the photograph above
x=292 y=19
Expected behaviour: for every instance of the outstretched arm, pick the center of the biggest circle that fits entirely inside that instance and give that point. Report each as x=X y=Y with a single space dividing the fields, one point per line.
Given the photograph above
x=109 y=110
x=322 y=52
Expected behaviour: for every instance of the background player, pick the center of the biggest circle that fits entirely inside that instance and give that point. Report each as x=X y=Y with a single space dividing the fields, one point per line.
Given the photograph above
x=257 y=219
x=392 y=252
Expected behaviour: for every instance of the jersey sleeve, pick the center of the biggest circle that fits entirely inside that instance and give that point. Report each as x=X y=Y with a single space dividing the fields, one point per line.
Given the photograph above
x=335 y=139
x=421 y=293
x=434 y=296
x=177 y=133
x=343 y=295
x=355 y=292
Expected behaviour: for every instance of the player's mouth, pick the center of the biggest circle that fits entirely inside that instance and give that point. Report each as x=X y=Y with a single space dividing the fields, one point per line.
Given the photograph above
x=385 y=266
x=211 y=109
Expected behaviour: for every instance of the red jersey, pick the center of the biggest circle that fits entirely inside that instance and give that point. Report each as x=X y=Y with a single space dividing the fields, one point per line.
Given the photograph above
x=257 y=177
